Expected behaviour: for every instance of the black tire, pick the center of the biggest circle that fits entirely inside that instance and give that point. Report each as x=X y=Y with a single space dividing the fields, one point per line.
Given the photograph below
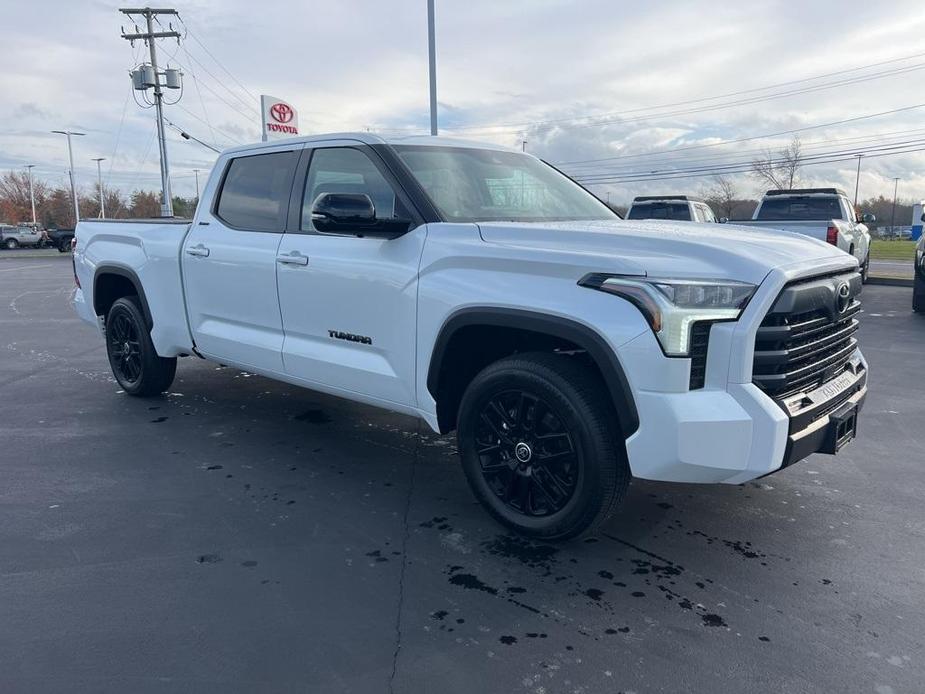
x=574 y=475
x=918 y=294
x=11 y=244
x=865 y=270
x=134 y=362
x=64 y=246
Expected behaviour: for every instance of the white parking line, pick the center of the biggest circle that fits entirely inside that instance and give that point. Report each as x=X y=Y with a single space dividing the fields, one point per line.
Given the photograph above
x=23 y=267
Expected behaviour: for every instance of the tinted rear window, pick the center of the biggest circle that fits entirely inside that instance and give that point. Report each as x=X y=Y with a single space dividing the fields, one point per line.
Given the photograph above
x=661 y=210
x=255 y=194
x=797 y=208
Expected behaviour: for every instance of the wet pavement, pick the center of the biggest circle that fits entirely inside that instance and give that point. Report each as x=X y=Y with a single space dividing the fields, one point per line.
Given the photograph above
x=239 y=534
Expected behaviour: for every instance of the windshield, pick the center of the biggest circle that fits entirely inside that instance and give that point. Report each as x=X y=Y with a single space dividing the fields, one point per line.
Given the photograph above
x=481 y=185
x=661 y=210
x=799 y=208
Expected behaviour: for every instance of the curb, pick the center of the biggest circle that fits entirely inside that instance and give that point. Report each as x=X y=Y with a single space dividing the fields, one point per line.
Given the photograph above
x=891 y=281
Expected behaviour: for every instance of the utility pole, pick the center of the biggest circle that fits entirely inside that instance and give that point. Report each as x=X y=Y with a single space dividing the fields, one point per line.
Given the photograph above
x=893 y=215
x=29 y=168
x=432 y=55
x=196 y=171
x=99 y=177
x=149 y=37
x=70 y=156
x=857 y=181
x=523 y=145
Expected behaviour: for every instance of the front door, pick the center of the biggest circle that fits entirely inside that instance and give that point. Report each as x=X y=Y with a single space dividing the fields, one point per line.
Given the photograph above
x=349 y=312
x=229 y=262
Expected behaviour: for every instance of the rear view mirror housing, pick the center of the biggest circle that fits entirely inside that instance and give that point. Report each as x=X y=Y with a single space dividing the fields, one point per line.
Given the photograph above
x=724 y=220
x=353 y=213
x=868 y=218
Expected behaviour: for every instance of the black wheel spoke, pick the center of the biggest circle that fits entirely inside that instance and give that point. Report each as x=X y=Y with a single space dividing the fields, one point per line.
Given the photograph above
x=526 y=454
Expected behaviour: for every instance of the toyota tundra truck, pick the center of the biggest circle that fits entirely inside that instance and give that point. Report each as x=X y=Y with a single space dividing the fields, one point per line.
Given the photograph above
x=481 y=290
x=822 y=213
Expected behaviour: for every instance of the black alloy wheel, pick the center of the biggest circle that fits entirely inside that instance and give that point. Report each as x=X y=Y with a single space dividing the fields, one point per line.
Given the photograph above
x=124 y=349
x=540 y=445
x=527 y=456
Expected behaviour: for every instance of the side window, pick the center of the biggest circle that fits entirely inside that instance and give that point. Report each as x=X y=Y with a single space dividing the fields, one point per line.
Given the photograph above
x=255 y=193
x=698 y=213
x=348 y=170
x=708 y=215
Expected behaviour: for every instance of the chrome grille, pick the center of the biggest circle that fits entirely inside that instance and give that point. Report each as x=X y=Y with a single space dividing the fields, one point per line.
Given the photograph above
x=808 y=336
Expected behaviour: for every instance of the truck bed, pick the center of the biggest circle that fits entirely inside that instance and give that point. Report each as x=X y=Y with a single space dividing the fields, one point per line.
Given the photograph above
x=146 y=251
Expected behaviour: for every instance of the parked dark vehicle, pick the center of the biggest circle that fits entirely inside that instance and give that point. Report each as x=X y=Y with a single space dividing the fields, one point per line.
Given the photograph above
x=60 y=239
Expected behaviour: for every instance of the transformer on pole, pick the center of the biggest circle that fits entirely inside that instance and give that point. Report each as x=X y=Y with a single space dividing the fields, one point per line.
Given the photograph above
x=146 y=77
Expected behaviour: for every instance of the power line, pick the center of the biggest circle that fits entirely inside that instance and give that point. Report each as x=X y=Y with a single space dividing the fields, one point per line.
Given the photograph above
x=716 y=107
x=217 y=61
x=701 y=99
x=744 y=167
x=668 y=158
x=752 y=138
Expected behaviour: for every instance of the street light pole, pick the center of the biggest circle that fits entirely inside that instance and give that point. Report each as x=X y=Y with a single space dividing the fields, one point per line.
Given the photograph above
x=857 y=181
x=196 y=171
x=893 y=215
x=432 y=55
x=70 y=156
x=29 y=168
x=99 y=176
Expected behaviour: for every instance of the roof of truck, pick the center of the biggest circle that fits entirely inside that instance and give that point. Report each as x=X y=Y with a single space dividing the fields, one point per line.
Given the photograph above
x=373 y=139
x=660 y=198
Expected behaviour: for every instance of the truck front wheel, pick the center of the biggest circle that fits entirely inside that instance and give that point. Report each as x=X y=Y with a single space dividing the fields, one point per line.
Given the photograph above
x=540 y=445
x=132 y=357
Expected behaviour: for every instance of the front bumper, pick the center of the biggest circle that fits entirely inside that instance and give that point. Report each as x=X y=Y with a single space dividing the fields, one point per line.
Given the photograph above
x=731 y=431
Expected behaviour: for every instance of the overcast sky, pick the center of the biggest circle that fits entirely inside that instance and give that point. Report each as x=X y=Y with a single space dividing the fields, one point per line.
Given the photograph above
x=505 y=70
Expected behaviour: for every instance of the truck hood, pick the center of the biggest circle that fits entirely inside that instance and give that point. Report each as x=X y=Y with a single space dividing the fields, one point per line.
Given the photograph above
x=666 y=249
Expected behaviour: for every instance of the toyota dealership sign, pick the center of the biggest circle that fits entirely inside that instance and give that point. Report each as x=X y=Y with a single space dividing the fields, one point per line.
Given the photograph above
x=280 y=119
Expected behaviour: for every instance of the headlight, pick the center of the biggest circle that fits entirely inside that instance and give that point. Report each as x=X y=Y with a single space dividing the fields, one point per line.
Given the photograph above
x=672 y=306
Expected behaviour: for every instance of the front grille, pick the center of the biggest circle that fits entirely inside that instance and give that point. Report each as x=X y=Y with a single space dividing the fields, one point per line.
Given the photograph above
x=806 y=340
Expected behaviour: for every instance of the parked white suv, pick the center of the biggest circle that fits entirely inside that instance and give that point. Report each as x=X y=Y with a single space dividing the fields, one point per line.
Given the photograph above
x=680 y=208
x=481 y=290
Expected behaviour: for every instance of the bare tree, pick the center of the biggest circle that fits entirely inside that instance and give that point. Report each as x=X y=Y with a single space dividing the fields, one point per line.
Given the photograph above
x=722 y=196
x=781 y=169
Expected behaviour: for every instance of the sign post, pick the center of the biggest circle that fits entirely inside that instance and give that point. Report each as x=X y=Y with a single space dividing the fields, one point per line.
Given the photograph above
x=279 y=119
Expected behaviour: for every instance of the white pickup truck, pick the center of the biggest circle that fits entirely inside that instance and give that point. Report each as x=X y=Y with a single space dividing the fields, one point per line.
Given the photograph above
x=822 y=213
x=481 y=290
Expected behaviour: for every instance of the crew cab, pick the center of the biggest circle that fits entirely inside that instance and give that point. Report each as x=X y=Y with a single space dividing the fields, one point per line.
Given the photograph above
x=822 y=213
x=681 y=208
x=482 y=291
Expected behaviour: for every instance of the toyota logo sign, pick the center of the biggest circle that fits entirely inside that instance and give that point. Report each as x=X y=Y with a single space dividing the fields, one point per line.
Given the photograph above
x=843 y=297
x=281 y=113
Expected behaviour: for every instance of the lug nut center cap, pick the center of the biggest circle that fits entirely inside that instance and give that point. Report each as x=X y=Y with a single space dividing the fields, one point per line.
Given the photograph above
x=523 y=452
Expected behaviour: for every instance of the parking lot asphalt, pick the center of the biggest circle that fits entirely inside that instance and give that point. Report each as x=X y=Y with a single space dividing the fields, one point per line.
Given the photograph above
x=241 y=535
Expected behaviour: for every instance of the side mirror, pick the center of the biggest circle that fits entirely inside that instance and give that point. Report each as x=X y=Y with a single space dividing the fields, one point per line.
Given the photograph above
x=868 y=218
x=353 y=213
x=724 y=220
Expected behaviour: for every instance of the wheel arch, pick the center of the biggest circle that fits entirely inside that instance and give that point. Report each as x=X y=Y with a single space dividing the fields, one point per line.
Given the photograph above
x=554 y=327
x=110 y=283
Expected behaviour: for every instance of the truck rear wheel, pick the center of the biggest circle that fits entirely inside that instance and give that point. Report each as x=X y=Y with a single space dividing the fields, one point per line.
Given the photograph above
x=540 y=446
x=132 y=357
x=11 y=244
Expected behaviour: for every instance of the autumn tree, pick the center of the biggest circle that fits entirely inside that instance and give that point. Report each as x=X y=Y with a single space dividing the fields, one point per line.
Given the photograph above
x=780 y=169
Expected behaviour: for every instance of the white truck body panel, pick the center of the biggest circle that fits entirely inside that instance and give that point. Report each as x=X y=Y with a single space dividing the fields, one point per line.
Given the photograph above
x=247 y=304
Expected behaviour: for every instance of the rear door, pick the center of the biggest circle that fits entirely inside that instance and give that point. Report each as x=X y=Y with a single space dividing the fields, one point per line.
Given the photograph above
x=348 y=301
x=229 y=261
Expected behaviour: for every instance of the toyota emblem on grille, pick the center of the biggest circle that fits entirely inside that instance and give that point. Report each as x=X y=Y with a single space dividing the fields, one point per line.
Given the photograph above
x=843 y=297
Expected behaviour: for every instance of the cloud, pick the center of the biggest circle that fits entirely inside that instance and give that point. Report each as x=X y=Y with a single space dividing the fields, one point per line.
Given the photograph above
x=353 y=64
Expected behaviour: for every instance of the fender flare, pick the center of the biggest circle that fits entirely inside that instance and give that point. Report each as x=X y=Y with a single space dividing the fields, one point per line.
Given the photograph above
x=573 y=331
x=129 y=274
